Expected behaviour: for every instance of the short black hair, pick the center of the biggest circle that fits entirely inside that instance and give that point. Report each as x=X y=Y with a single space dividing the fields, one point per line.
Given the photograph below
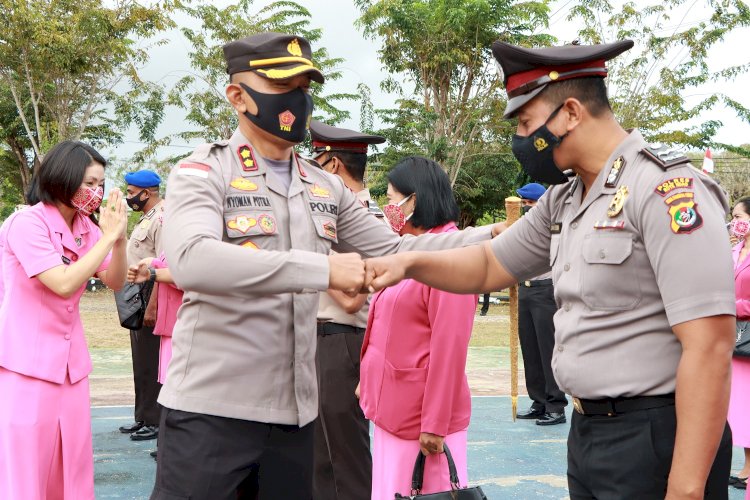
x=62 y=170
x=32 y=192
x=745 y=202
x=436 y=205
x=355 y=163
x=591 y=91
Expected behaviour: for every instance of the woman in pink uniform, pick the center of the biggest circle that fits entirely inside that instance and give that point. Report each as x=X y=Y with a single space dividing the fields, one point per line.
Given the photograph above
x=413 y=385
x=739 y=399
x=51 y=250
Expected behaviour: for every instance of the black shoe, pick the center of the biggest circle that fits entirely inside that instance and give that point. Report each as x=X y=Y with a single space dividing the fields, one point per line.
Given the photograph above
x=483 y=313
x=153 y=454
x=145 y=433
x=129 y=429
x=529 y=414
x=738 y=482
x=551 y=419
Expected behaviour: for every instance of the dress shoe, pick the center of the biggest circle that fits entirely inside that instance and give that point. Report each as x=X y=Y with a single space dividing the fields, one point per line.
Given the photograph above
x=129 y=429
x=483 y=313
x=145 y=433
x=529 y=414
x=153 y=454
x=551 y=419
x=738 y=482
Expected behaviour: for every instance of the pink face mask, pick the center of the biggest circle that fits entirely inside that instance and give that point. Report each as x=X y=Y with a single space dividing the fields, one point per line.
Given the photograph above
x=87 y=200
x=739 y=228
x=395 y=215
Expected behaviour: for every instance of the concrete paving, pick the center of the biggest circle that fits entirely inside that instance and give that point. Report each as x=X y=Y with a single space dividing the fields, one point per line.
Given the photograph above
x=508 y=460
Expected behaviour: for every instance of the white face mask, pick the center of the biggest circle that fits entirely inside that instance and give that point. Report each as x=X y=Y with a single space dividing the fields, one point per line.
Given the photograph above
x=395 y=214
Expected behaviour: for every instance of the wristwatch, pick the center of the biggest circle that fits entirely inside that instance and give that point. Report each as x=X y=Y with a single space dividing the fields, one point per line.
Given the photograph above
x=152 y=272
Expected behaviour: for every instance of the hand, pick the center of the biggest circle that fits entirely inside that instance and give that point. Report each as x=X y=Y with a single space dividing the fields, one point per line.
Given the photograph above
x=382 y=272
x=113 y=217
x=149 y=316
x=356 y=391
x=347 y=273
x=733 y=240
x=498 y=228
x=431 y=444
x=139 y=273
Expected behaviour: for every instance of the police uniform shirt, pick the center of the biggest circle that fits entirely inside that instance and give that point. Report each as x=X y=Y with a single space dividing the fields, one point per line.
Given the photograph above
x=145 y=240
x=623 y=279
x=252 y=257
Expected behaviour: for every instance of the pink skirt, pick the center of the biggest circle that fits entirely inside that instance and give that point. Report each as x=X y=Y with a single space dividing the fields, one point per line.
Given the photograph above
x=165 y=354
x=739 y=402
x=393 y=462
x=45 y=439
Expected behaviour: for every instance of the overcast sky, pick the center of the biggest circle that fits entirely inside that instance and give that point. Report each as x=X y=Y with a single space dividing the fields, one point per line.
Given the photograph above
x=337 y=19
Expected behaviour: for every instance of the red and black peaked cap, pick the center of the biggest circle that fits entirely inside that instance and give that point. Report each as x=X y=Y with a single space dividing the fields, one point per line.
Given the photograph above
x=328 y=138
x=526 y=72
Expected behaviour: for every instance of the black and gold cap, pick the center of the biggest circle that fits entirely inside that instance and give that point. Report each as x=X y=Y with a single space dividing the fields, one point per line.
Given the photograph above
x=328 y=138
x=275 y=56
x=526 y=72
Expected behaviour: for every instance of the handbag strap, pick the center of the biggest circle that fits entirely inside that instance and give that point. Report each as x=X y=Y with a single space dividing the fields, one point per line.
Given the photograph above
x=417 y=476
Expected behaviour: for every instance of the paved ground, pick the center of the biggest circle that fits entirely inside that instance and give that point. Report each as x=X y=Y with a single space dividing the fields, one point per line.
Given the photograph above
x=509 y=460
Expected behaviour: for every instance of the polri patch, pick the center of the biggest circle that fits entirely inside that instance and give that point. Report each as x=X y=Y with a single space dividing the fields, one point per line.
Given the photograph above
x=667 y=187
x=684 y=217
x=688 y=195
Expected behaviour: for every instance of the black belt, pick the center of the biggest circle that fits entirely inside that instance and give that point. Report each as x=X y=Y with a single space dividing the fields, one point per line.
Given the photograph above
x=614 y=406
x=330 y=328
x=532 y=283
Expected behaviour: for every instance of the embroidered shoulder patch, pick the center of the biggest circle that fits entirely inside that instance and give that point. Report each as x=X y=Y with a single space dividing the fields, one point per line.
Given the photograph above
x=194 y=169
x=684 y=216
x=670 y=185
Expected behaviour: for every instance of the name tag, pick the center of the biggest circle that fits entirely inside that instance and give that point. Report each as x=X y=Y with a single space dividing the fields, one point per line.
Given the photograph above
x=555 y=228
x=65 y=260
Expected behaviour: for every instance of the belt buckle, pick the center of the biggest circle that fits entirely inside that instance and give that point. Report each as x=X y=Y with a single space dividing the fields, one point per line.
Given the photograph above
x=527 y=283
x=577 y=406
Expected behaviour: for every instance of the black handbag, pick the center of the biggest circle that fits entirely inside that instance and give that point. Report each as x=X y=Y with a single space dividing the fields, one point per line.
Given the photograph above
x=131 y=303
x=742 y=344
x=455 y=493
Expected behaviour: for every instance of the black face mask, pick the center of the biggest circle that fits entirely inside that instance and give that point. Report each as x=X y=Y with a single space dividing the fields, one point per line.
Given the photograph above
x=534 y=153
x=525 y=209
x=284 y=115
x=135 y=202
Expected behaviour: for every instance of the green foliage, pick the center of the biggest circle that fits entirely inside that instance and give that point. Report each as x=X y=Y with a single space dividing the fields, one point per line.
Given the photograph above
x=650 y=85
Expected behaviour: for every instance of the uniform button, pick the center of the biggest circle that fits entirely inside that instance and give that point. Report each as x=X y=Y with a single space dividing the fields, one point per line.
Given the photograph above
x=74 y=257
x=574 y=225
x=70 y=309
x=566 y=307
x=67 y=336
x=566 y=267
x=560 y=348
x=602 y=254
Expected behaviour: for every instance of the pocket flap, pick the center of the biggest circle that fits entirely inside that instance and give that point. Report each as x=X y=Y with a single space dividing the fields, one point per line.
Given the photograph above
x=607 y=250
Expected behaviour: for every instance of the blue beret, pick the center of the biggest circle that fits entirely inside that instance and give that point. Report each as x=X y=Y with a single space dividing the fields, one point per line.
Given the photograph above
x=143 y=178
x=531 y=191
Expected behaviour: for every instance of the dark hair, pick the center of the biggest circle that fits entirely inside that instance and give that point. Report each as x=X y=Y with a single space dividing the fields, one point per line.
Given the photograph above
x=745 y=202
x=591 y=91
x=355 y=163
x=435 y=204
x=32 y=192
x=62 y=170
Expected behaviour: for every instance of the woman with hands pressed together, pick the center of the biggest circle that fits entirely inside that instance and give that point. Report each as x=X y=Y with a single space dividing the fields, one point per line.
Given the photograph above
x=52 y=249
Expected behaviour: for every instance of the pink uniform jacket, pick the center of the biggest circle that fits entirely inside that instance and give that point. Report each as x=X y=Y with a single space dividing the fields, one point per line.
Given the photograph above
x=742 y=283
x=169 y=299
x=41 y=334
x=414 y=358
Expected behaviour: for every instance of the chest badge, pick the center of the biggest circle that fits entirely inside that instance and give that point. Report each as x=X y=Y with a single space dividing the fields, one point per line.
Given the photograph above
x=618 y=201
x=614 y=172
x=243 y=184
x=247 y=158
x=267 y=224
x=318 y=192
x=329 y=228
x=242 y=223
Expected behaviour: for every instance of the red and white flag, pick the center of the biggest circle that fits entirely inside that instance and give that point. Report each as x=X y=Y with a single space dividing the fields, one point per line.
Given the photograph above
x=708 y=162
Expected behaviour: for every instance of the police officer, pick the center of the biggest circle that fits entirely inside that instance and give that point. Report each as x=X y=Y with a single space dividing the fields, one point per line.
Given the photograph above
x=251 y=225
x=145 y=241
x=642 y=274
x=343 y=464
x=536 y=332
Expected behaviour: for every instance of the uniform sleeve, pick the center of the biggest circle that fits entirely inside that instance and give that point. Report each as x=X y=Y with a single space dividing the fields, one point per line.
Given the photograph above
x=683 y=231
x=200 y=261
x=156 y=232
x=524 y=248
x=29 y=240
x=359 y=231
x=451 y=320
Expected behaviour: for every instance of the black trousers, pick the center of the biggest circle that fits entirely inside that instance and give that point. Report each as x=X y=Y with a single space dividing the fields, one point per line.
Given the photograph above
x=343 y=463
x=628 y=456
x=205 y=457
x=485 y=303
x=144 y=346
x=536 y=333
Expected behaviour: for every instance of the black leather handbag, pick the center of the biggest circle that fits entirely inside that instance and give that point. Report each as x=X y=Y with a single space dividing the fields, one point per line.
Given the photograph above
x=131 y=303
x=455 y=493
x=742 y=343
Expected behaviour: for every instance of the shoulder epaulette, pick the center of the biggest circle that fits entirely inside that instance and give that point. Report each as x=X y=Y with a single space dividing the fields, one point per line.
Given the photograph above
x=374 y=209
x=201 y=152
x=664 y=156
x=150 y=213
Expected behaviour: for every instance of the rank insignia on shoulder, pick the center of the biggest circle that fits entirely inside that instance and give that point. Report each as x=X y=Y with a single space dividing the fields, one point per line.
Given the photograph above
x=615 y=207
x=664 y=156
x=614 y=172
x=374 y=209
x=247 y=158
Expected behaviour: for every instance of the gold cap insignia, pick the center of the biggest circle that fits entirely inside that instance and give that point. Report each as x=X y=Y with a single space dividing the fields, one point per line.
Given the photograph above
x=554 y=75
x=540 y=144
x=294 y=48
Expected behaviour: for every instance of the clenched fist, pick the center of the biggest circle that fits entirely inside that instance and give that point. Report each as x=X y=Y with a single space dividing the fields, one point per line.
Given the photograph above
x=347 y=272
x=385 y=271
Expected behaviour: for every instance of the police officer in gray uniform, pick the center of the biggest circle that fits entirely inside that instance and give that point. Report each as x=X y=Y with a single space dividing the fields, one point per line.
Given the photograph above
x=343 y=463
x=643 y=279
x=250 y=227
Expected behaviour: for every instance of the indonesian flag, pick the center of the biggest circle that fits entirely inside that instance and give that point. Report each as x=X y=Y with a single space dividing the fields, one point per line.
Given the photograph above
x=708 y=162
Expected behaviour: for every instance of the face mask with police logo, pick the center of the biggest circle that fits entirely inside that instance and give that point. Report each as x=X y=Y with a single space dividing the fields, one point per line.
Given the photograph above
x=286 y=116
x=534 y=153
x=135 y=202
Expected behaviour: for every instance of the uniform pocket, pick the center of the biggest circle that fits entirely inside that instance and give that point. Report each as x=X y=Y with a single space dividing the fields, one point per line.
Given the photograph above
x=326 y=228
x=607 y=282
x=400 y=406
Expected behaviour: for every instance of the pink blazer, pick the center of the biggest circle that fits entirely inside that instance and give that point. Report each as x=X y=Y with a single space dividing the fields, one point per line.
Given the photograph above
x=413 y=359
x=742 y=283
x=41 y=334
x=168 y=301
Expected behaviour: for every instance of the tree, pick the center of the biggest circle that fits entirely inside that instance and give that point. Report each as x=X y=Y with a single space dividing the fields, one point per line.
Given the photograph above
x=68 y=69
x=201 y=93
x=650 y=84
